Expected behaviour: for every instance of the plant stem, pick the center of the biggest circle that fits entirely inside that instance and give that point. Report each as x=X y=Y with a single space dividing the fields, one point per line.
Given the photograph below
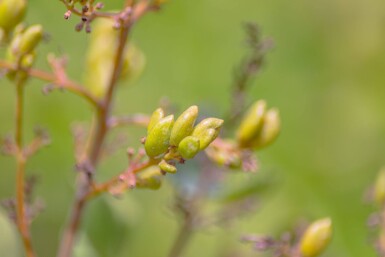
x=86 y=186
x=101 y=130
x=46 y=76
x=182 y=239
x=21 y=219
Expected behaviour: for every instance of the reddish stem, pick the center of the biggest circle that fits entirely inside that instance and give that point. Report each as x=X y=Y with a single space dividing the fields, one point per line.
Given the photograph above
x=22 y=222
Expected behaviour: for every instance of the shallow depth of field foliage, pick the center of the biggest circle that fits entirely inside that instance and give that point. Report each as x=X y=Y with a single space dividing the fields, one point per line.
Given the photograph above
x=325 y=74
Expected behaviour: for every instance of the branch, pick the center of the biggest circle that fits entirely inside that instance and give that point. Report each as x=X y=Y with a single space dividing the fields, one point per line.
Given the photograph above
x=52 y=78
x=21 y=220
x=136 y=119
x=86 y=186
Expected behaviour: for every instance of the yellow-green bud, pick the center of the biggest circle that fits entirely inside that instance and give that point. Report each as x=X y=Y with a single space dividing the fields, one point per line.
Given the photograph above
x=189 y=147
x=30 y=38
x=2 y=36
x=156 y=116
x=160 y=2
x=379 y=187
x=133 y=63
x=100 y=59
x=251 y=123
x=100 y=56
x=11 y=13
x=269 y=131
x=207 y=131
x=184 y=125
x=149 y=178
x=157 y=141
x=28 y=60
x=163 y=165
x=316 y=238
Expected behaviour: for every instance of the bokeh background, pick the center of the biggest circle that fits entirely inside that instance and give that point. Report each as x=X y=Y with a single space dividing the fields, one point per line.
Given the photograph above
x=326 y=74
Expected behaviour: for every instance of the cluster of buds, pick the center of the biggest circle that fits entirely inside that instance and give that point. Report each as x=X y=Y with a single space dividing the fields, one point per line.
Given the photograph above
x=11 y=13
x=259 y=128
x=101 y=56
x=21 y=50
x=20 y=40
x=168 y=140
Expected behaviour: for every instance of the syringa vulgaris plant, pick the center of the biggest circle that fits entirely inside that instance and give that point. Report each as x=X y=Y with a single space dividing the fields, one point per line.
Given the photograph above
x=169 y=141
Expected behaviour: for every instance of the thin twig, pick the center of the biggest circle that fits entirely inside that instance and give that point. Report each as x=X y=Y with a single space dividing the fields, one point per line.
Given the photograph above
x=136 y=119
x=22 y=223
x=102 y=117
x=182 y=239
x=77 y=12
x=43 y=75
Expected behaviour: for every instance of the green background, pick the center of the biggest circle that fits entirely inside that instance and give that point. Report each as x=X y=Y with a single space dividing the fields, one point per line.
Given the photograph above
x=326 y=74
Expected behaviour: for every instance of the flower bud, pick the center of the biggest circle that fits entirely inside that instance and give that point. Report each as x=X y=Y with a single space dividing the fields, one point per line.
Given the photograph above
x=251 y=124
x=160 y=2
x=156 y=116
x=379 y=187
x=163 y=165
x=316 y=238
x=270 y=129
x=11 y=13
x=100 y=59
x=189 y=147
x=207 y=131
x=30 y=38
x=2 y=36
x=184 y=125
x=157 y=141
x=149 y=178
x=100 y=56
x=133 y=63
x=28 y=60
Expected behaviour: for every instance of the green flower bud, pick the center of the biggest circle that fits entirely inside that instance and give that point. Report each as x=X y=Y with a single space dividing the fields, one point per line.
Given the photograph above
x=100 y=56
x=189 y=147
x=149 y=178
x=156 y=116
x=316 y=238
x=28 y=60
x=379 y=187
x=133 y=63
x=207 y=131
x=251 y=124
x=269 y=131
x=11 y=13
x=158 y=139
x=30 y=38
x=184 y=125
x=163 y=165
x=2 y=36
x=100 y=59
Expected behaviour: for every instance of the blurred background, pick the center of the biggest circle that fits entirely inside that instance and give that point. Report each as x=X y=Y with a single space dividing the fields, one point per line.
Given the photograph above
x=326 y=74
